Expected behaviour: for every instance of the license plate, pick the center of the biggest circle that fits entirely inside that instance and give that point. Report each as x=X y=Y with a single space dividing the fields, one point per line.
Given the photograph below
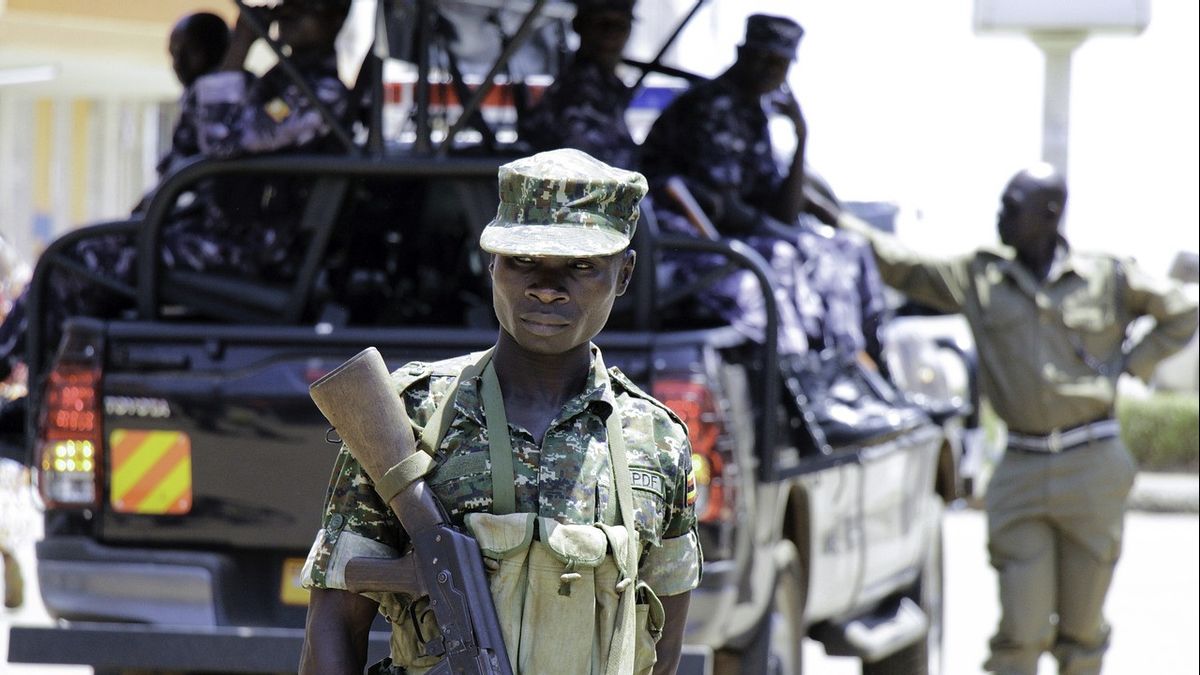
x=290 y=591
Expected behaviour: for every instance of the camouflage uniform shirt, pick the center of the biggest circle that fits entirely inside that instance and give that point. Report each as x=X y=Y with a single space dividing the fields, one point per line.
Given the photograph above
x=568 y=478
x=584 y=109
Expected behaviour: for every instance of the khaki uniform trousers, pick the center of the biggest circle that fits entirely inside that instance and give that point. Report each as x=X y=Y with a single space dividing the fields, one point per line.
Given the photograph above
x=1054 y=535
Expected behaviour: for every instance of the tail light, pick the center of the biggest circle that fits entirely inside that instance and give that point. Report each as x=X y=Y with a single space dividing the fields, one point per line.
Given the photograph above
x=696 y=406
x=70 y=436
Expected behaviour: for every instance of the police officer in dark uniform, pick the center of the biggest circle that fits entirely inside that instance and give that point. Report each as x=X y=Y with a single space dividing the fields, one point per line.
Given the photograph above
x=235 y=114
x=585 y=106
x=238 y=114
x=716 y=138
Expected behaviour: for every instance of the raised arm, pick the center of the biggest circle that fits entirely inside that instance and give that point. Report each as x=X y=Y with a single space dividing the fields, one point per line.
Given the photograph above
x=791 y=200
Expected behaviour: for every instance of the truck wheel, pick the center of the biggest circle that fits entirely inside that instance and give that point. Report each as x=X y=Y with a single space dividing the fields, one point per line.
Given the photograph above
x=925 y=656
x=778 y=645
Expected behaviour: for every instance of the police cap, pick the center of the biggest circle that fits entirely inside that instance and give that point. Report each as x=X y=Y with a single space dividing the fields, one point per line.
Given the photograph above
x=778 y=35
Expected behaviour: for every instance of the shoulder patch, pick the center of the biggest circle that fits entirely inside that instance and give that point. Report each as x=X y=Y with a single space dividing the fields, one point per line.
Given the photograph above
x=647 y=480
x=633 y=390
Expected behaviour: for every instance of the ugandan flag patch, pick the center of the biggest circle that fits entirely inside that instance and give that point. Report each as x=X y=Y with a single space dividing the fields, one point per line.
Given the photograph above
x=691 y=488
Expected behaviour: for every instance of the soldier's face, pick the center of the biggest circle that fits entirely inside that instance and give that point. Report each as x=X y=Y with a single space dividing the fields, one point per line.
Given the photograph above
x=550 y=305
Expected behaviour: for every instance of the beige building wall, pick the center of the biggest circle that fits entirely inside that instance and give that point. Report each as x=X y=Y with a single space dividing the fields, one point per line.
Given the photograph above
x=87 y=97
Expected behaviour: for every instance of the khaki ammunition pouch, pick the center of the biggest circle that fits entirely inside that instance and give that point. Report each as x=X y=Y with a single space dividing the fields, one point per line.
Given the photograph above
x=561 y=591
x=557 y=590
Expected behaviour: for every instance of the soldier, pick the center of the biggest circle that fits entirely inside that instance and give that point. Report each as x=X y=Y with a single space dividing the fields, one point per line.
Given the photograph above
x=715 y=137
x=244 y=227
x=585 y=106
x=1050 y=326
x=197 y=46
x=240 y=114
x=560 y=256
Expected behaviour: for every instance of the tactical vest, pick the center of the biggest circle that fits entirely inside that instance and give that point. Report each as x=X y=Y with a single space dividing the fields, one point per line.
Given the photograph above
x=567 y=596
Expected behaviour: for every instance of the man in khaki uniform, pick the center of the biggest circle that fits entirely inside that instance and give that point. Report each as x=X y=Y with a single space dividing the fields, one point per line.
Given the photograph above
x=1050 y=326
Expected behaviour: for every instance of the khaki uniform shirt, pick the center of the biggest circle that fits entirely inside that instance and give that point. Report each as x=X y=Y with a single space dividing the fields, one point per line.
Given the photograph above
x=1049 y=351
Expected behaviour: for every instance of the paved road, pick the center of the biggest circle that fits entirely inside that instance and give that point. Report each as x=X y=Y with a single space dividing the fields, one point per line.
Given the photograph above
x=1154 y=605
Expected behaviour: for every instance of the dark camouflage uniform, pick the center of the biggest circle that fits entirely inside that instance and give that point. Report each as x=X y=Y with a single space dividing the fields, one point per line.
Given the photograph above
x=567 y=478
x=249 y=226
x=846 y=308
x=583 y=109
x=716 y=137
x=185 y=139
x=233 y=225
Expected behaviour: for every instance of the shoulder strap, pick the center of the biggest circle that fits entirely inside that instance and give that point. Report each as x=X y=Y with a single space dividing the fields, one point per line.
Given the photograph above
x=504 y=493
x=439 y=422
x=621 y=648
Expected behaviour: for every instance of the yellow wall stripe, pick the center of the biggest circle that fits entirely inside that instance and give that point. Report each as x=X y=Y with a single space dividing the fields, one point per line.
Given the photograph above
x=43 y=148
x=81 y=117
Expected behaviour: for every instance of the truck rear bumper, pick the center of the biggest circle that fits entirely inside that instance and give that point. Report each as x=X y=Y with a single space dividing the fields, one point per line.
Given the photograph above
x=114 y=645
x=82 y=579
x=214 y=650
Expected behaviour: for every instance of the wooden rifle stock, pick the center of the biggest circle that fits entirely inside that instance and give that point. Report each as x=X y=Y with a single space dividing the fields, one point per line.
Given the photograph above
x=393 y=575
x=360 y=401
x=678 y=190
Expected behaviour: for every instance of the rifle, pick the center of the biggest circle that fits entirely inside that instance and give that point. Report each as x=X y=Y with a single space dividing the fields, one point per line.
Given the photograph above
x=445 y=564
x=679 y=192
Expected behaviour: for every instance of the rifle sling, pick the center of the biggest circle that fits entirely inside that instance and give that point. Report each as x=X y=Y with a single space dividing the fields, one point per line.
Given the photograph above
x=503 y=476
x=403 y=474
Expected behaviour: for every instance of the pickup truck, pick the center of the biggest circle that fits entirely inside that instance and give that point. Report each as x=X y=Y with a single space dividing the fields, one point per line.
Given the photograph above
x=183 y=466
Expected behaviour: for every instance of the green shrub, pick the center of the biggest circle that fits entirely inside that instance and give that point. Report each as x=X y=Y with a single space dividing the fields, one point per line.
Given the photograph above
x=1162 y=431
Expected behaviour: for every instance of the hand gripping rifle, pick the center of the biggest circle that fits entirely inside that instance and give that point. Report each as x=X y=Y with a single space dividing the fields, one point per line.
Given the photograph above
x=361 y=403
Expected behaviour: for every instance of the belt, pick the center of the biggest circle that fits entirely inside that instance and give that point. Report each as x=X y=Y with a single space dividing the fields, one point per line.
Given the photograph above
x=1061 y=440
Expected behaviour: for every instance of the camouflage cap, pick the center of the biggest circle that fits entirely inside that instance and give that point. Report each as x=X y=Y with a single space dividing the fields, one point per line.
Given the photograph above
x=775 y=34
x=564 y=203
